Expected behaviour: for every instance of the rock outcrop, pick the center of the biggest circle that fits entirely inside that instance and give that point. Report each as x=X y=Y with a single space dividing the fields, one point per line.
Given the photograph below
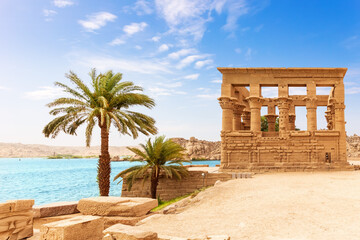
x=353 y=146
x=199 y=149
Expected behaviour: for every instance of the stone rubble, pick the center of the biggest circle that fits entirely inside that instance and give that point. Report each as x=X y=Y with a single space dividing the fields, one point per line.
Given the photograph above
x=116 y=206
x=16 y=219
x=76 y=228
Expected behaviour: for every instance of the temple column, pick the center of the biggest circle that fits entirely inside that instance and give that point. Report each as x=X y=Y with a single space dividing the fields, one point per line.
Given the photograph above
x=271 y=119
x=227 y=105
x=292 y=117
x=283 y=105
x=237 y=112
x=311 y=106
x=246 y=116
x=255 y=107
x=271 y=116
x=339 y=108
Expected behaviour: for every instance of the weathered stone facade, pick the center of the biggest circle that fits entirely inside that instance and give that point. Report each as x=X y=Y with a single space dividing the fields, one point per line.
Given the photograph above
x=16 y=219
x=244 y=146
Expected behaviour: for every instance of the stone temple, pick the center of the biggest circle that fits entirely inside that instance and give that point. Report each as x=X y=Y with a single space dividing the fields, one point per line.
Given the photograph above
x=245 y=147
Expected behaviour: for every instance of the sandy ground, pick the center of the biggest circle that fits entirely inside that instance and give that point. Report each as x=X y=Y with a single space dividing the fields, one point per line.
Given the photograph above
x=279 y=206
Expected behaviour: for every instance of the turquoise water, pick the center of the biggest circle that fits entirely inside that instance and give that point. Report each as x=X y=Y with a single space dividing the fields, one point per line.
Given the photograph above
x=53 y=180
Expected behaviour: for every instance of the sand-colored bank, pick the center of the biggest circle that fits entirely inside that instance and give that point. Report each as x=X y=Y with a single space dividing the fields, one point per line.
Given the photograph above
x=279 y=206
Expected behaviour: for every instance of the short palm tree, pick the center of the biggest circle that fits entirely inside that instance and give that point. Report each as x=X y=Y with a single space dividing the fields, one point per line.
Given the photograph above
x=106 y=103
x=161 y=155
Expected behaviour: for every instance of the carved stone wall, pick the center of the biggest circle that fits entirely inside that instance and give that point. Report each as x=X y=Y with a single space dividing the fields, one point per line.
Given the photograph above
x=16 y=219
x=301 y=150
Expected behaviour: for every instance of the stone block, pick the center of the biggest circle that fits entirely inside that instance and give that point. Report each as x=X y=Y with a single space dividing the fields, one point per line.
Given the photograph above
x=124 y=232
x=132 y=221
x=21 y=205
x=55 y=209
x=76 y=228
x=116 y=206
x=16 y=225
x=6 y=207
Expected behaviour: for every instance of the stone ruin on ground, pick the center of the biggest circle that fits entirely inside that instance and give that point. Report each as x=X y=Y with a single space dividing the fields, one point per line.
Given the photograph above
x=245 y=147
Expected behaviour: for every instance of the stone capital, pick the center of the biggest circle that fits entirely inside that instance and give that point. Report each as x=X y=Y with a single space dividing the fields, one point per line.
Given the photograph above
x=292 y=118
x=226 y=102
x=238 y=109
x=339 y=106
x=311 y=102
x=255 y=102
x=283 y=102
x=271 y=118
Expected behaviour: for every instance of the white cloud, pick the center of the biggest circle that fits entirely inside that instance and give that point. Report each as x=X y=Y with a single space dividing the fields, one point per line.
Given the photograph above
x=163 y=48
x=171 y=85
x=351 y=42
x=209 y=96
x=138 y=47
x=117 y=41
x=181 y=53
x=248 y=53
x=236 y=9
x=350 y=83
x=200 y=64
x=352 y=90
x=49 y=13
x=97 y=20
x=185 y=17
x=323 y=90
x=218 y=5
x=143 y=7
x=192 y=76
x=258 y=28
x=44 y=93
x=3 y=88
x=156 y=38
x=63 y=3
x=238 y=50
x=188 y=18
x=271 y=92
x=134 y=28
x=190 y=59
x=104 y=63
x=165 y=92
x=216 y=81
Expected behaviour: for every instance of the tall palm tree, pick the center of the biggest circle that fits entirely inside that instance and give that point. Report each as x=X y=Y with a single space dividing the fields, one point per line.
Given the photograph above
x=106 y=103
x=158 y=156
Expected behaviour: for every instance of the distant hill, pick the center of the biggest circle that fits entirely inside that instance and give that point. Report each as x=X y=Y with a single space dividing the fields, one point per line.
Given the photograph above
x=19 y=150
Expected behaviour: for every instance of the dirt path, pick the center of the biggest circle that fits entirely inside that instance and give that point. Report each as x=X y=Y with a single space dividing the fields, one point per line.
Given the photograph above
x=281 y=206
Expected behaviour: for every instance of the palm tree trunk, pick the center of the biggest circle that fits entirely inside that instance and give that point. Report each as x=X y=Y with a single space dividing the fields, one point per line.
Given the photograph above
x=154 y=183
x=104 y=168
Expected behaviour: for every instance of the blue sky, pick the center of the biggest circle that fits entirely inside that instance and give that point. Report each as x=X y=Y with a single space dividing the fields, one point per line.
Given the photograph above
x=169 y=47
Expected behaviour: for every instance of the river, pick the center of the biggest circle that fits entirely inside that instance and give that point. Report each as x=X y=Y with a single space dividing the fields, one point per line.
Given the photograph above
x=54 y=180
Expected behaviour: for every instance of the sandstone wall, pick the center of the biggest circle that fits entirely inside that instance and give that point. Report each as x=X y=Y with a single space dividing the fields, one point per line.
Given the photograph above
x=171 y=188
x=16 y=219
x=301 y=151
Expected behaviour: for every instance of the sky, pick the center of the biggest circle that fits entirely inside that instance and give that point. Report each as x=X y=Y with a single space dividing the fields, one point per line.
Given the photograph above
x=172 y=49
